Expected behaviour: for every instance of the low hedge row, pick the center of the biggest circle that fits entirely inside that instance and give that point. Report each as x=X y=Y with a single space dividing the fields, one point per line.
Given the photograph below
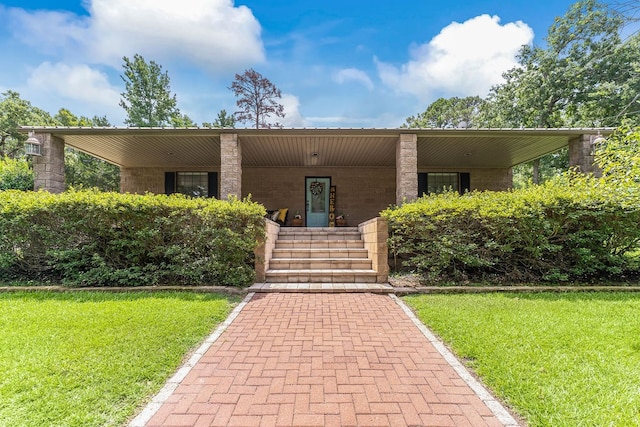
x=571 y=228
x=89 y=238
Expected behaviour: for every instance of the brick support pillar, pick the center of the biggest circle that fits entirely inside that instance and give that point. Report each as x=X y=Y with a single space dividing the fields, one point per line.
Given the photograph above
x=230 y=166
x=406 y=168
x=581 y=155
x=49 y=168
x=375 y=233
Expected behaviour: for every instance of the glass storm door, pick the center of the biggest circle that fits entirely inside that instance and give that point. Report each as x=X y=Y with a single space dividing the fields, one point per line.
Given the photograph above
x=317 y=201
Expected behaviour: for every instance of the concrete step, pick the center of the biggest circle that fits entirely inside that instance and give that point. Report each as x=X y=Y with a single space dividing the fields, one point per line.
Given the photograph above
x=319 y=244
x=323 y=233
x=320 y=264
x=320 y=276
x=335 y=253
x=320 y=255
x=335 y=230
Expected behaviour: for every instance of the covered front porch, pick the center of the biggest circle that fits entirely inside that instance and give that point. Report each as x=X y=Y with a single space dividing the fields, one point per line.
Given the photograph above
x=318 y=174
x=367 y=169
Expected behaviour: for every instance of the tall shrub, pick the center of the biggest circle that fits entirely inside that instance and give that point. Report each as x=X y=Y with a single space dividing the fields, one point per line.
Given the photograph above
x=570 y=228
x=91 y=238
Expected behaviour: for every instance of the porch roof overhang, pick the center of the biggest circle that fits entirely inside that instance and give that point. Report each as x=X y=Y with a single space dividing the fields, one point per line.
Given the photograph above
x=200 y=147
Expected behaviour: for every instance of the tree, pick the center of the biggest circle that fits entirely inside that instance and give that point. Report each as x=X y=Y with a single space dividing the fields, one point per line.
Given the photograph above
x=83 y=170
x=224 y=120
x=257 y=99
x=15 y=112
x=586 y=76
x=182 y=121
x=147 y=98
x=448 y=113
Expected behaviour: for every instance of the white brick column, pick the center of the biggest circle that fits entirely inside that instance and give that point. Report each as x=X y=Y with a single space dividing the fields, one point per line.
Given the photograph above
x=49 y=168
x=581 y=155
x=406 y=168
x=230 y=166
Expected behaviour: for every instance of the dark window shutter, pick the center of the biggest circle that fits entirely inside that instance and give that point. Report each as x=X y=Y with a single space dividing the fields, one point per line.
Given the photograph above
x=465 y=182
x=422 y=183
x=169 y=182
x=213 y=184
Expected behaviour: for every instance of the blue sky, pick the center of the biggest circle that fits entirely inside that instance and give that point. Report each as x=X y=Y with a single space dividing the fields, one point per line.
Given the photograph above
x=350 y=63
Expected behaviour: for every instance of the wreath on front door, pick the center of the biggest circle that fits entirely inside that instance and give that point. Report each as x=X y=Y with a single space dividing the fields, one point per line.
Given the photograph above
x=316 y=188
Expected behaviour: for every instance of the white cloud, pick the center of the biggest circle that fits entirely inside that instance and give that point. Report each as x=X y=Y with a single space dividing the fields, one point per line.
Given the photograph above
x=79 y=82
x=463 y=59
x=353 y=75
x=292 y=116
x=213 y=33
x=48 y=31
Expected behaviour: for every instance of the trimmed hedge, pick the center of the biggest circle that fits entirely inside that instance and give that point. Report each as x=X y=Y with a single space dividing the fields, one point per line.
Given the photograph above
x=89 y=238
x=570 y=228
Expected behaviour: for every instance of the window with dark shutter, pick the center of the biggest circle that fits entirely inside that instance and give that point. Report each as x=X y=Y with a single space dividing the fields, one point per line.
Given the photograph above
x=438 y=182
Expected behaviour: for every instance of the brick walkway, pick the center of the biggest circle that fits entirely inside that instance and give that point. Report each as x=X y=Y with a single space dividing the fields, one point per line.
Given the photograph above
x=323 y=360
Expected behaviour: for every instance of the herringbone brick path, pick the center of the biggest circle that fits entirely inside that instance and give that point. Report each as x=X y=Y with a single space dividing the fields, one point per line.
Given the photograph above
x=323 y=360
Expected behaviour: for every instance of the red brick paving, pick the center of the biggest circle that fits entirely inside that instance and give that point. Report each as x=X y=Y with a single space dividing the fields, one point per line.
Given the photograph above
x=322 y=360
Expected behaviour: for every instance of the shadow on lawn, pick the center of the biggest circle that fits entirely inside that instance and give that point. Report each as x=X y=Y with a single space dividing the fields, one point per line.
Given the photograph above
x=102 y=296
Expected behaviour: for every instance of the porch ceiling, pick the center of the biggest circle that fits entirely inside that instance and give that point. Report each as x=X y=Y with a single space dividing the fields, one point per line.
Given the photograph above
x=200 y=147
x=489 y=148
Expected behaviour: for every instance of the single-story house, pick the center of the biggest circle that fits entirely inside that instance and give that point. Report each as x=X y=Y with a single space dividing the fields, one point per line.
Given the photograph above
x=316 y=173
x=287 y=168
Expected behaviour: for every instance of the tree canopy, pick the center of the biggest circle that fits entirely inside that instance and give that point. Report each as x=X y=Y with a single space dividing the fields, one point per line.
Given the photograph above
x=448 y=113
x=256 y=99
x=147 y=98
x=182 y=121
x=15 y=112
x=83 y=170
x=585 y=76
x=223 y=120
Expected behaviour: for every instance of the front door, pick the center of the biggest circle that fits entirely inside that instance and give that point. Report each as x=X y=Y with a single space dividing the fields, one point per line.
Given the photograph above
x=317 y=201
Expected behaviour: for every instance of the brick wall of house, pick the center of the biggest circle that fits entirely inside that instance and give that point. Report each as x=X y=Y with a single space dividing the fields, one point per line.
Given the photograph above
x=360 y=192
x=491 y=179
x=142 y=180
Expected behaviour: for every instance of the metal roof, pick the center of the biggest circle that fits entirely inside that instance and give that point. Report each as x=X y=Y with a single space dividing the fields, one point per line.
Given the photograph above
x=344 y=147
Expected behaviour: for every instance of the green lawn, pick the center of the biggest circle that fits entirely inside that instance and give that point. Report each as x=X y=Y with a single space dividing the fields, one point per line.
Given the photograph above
x=557 y=359
x=89 y=359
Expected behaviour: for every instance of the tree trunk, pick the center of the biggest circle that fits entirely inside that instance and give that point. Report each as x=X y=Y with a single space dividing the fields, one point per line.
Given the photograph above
x=536 y=171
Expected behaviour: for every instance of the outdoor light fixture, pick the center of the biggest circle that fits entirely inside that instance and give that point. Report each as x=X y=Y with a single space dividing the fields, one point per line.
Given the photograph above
x=33 y=146
x=595 y=140
x=314 y=158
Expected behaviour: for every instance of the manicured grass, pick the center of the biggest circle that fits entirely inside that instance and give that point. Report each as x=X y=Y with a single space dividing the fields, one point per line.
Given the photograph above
x=558 y=359
x=90 y=359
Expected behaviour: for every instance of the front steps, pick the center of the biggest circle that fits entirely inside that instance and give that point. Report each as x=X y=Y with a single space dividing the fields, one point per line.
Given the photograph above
x=321 y=256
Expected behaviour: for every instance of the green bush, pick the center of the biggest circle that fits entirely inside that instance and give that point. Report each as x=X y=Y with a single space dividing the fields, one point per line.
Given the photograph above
x=15 y=174
x=570 y=228
x=88 y=238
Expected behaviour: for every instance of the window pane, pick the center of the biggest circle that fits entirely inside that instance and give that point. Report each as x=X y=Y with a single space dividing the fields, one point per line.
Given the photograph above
x=318 y=199
x=195 y=184
x=438 y=182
